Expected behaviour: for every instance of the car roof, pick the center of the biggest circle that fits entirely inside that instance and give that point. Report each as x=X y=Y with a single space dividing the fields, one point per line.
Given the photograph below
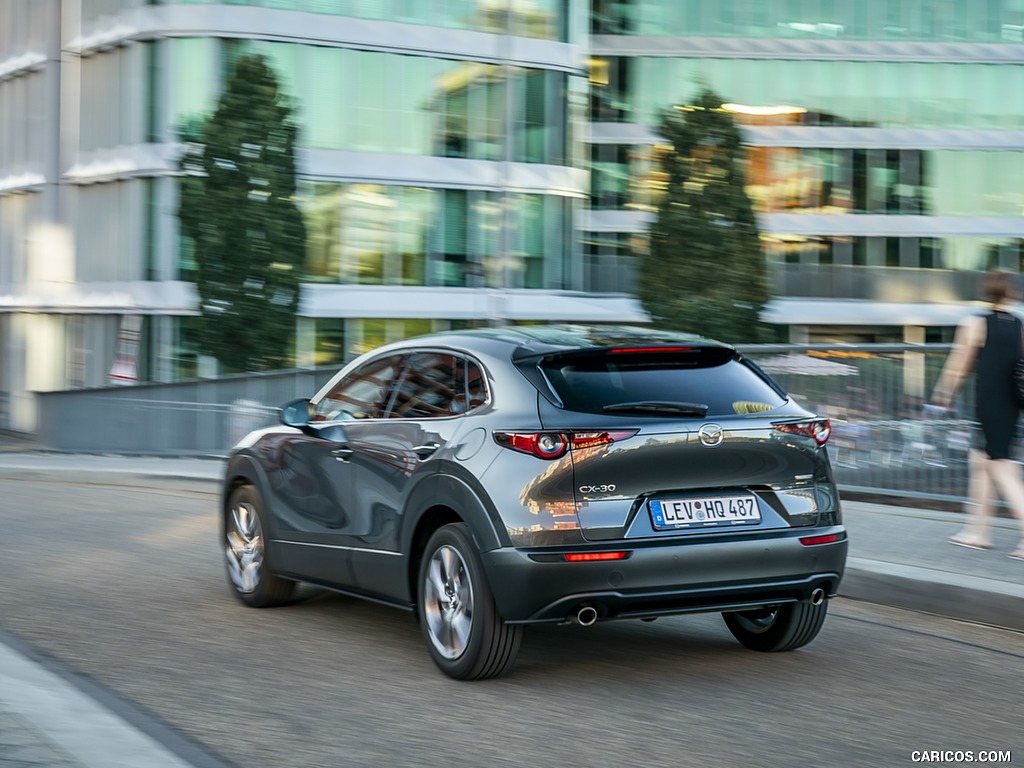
x=548 y=338
x=521 y=343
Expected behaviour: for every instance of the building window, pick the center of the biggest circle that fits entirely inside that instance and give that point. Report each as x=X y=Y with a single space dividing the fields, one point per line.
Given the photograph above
x=329 y=344
x=609 y=262
x=197 y=80
x=448 y=253
x=367 y=101
x=396 y=235
x=321 y=209
x=949 y=20
x=363 y=335
x=960 y=254
x=184 y=353
x=880 y=94
x=879 y=181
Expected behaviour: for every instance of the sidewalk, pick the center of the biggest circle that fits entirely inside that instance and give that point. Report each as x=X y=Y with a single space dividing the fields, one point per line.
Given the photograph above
x=899 y=556
x=46 y=722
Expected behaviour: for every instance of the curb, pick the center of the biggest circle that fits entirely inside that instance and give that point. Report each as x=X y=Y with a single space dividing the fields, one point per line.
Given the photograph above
x=123 y=478
x=955 y=596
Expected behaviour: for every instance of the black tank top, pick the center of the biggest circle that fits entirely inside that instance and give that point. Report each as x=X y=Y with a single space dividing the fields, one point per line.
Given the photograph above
x=995 y=400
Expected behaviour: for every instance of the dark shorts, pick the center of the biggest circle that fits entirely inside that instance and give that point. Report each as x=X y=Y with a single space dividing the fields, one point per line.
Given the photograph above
x=998 y=444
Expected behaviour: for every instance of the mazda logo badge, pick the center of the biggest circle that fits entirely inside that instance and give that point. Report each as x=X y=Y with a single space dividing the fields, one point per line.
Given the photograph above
x=711 y=435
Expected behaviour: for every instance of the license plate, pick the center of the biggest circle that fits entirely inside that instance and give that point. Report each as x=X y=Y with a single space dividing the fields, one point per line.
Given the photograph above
x=705 y=512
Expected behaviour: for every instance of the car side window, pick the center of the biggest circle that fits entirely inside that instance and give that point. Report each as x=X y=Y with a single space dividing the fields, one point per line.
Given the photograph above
x=437 y=384
x=475 y=386
x=363 y=394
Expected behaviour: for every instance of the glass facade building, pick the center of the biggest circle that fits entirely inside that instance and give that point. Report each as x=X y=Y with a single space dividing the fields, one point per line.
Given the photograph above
x=491 y=161
x=885 y=146
x=441 y=162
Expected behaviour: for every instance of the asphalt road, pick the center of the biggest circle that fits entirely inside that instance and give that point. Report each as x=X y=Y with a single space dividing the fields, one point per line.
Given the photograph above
x=126 y=587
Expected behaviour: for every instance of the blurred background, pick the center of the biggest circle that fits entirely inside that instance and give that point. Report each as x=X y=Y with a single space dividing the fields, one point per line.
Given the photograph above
x=482 y=162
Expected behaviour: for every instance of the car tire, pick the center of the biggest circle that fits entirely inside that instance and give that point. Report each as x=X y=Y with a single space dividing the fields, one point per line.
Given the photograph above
x=777 y=628
x=466 y=636
x=249 y=563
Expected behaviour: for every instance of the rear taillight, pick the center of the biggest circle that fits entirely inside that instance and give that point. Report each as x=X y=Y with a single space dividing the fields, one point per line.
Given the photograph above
x=580 y=440
x=552 y=445
x=543 y=445
x=819 y=429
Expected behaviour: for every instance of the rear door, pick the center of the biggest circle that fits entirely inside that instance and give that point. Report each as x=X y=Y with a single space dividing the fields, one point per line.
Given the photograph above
x=391 y=456
x=694 y=448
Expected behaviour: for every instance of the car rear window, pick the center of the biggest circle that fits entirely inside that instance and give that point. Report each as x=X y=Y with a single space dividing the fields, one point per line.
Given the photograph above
x=661 y=383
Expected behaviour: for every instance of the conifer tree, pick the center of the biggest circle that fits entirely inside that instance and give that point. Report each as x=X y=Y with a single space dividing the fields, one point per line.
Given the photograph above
x=704 y=271
x=238 y=206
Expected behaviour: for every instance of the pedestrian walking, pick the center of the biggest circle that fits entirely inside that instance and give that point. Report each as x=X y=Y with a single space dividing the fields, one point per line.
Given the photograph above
x=989 y=345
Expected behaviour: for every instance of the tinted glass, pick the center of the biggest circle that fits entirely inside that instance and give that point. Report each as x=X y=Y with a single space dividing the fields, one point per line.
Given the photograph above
x=435 y=385
x=476 y=387
x=940 y=20
x=874 y=94
x=363 y=394
x=713 y=377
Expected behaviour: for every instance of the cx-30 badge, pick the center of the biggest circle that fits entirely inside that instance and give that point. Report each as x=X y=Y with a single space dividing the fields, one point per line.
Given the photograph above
x=710 y=435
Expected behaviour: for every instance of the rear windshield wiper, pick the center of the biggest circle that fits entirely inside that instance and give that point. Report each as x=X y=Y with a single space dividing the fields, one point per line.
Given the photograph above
x=655 y=406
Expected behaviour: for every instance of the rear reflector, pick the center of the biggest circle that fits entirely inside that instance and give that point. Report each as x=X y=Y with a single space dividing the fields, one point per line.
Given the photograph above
x=580 y=557
x=812 y=541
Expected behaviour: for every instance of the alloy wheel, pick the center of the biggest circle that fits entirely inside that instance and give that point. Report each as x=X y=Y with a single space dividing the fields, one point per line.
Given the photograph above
x=448 y=602
x=245 y=547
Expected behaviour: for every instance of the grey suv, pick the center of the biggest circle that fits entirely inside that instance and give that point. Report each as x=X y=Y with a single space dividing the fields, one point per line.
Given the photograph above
x=489 y=479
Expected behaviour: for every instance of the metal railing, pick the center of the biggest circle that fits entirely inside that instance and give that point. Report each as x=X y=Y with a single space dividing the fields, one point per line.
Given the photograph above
x=886 y=439
x=203 y=417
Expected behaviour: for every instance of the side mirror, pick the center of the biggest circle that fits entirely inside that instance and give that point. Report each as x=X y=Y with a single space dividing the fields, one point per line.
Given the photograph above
x=297 y=413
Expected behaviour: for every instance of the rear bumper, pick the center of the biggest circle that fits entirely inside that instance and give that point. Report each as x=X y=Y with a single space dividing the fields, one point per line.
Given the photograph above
x=657 y=580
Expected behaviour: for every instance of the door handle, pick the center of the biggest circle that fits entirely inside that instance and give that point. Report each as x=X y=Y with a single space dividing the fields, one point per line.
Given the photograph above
x=426 y=450
x=342 y=454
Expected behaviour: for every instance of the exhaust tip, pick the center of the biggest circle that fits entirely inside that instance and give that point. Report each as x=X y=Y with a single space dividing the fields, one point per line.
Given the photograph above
x=586 y=616
x=817 y=596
